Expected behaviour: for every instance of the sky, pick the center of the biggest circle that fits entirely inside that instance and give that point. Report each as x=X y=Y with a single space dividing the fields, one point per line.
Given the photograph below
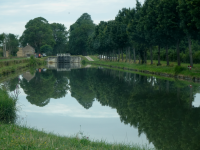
x=14 y=14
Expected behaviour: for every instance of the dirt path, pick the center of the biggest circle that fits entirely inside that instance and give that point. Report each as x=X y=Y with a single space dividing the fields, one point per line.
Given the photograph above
x=89 y=58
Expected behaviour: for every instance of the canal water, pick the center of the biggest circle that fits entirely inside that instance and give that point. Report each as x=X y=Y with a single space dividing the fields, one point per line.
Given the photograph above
x=110 y=105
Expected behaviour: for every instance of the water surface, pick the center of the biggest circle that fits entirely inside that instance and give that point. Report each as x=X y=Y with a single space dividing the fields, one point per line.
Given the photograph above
x=111 y=105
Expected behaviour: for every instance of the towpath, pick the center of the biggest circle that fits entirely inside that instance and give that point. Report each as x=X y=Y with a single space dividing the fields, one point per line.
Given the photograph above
x=89 y=58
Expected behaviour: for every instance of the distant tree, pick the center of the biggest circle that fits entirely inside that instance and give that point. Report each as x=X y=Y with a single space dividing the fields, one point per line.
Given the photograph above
x=79 y=33
x=12 y=44
x=60 y=35
x=187 y=22
x=46 y=49
x=9 y=43
x=1 y=38
x=37 y=33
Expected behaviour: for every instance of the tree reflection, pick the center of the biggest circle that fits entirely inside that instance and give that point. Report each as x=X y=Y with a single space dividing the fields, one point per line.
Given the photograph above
x=161 y=109
x=43 y=86
x=158 y=108
x=81 y=87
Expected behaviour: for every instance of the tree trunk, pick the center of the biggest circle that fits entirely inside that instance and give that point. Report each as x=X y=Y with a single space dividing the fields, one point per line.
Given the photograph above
x=4 y=49
x=129 y=52
x=178 y=53
x=118 y=55
x=145 y=57
x=126 y=54
x=190 y=50
x=122 y=56
x=151 y=55
x=158 y=56
x=134 y=54
x=167 y=57
x=113 y=55
x=139 y=58
x=106 y=55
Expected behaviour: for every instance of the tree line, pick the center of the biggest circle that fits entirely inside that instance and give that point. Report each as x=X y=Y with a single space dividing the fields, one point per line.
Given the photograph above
x=40 y=34
x=163 y=30
x=166 y=30
x=9 y=42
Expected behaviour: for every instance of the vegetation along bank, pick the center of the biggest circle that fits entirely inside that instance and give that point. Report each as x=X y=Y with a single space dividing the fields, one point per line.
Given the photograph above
x=182 y=72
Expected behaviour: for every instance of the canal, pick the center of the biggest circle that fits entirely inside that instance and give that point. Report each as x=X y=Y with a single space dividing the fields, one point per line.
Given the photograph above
x=110 y=105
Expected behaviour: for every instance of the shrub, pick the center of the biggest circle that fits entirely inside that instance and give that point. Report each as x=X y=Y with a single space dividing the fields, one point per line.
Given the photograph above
x=33 y=61
x=7 y=107
x=83 y=62
x=179 y=69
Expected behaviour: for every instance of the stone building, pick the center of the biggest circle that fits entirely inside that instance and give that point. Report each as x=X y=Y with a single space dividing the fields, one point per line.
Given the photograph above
x=26 y=51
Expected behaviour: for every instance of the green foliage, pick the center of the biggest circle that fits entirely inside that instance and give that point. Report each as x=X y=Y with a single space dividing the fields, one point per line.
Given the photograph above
x=1 y=53
x=50 y=85
x=79 y=32
x=1 y=38
x=11 y=41
x=166 y=24
x=7 y=107
x=60 y=36
x=17 y=137
x=46 y=49
x=83 y=62
x=37 y=33
x=179 y=69
x=33 y=61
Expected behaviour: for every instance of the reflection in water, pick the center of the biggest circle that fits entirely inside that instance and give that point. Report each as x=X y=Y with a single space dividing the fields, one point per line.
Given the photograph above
x=45 y=85
x=161 y=109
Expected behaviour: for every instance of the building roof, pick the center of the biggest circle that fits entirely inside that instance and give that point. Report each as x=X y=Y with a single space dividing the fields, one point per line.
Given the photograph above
x=27 y=47
x=28 y=76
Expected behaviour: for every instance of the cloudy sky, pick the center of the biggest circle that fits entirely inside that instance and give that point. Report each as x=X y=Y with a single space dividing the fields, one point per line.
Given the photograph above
x=14 y=14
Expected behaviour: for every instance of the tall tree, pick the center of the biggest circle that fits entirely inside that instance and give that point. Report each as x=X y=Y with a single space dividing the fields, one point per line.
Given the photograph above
x=79 y=32
x=187 y=23
x=37 y=33
x=12 y=43
x=60 y=35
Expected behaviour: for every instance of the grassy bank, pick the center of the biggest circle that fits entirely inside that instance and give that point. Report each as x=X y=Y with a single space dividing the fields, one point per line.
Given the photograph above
x=8 y=67
x=12 y=62
x=18 y=138
x=7 y=107
x=12 y=69
x=172 y=69
x=9 y=59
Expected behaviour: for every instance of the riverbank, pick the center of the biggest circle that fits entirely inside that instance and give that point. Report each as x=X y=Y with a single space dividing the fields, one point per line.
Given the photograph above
x=12 y=66
x=167 y=71
x=18 y=137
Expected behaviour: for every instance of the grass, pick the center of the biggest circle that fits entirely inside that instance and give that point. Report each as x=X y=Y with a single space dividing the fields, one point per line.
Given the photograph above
x=23 y=138
x=171 y=69
x=9 y=59
x=12 y=68
x=7 y=107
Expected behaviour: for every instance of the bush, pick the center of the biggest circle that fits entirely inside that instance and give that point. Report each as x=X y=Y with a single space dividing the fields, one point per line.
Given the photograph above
x=46 y=49
x=33 y=61
x=83 y=62
x=179 y=69
x=7 y=107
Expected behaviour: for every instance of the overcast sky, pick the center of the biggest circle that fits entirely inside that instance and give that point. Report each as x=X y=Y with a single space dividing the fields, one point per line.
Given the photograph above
x=14 y=14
